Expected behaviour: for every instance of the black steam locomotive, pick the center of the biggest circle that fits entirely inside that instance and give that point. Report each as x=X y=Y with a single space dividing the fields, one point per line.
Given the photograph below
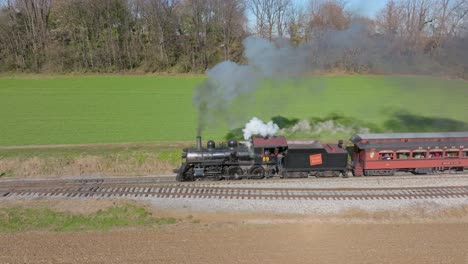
x=262 y=157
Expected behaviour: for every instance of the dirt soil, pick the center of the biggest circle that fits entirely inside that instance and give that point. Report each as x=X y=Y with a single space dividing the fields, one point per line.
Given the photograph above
x=234 y=243
x=352 y=237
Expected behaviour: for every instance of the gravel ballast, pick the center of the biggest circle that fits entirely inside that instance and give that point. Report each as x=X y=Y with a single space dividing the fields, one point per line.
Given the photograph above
x=323 y=206
x=302 y=206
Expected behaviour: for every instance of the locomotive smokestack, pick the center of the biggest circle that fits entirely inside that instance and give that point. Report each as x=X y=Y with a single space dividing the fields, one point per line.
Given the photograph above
x=199 y=146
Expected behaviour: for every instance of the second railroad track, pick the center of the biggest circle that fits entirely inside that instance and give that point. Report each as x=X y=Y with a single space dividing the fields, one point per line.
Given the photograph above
x=145 y=188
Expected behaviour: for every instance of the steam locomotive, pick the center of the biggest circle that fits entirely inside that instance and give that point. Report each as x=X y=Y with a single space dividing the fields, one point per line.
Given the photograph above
x=370 y=155
x=262 y=157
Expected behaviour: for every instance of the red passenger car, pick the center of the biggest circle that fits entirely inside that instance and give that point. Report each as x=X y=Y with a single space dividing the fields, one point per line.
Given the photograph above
x=419 y=153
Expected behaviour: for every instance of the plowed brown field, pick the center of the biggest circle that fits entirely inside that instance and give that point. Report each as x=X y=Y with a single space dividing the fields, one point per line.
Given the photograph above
x=246 y=243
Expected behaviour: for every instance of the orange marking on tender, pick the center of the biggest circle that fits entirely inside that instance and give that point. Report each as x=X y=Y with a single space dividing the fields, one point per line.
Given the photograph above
x=315 y=159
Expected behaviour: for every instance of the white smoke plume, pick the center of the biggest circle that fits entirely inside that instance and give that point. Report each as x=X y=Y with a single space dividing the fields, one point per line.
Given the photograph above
x=325 y=127
x=228 y=81
x=257 y=127
x=357 y=49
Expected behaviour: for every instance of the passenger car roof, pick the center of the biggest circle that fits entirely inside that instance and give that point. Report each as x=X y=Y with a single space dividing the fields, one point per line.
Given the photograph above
x=401 y=140
x=359 y=137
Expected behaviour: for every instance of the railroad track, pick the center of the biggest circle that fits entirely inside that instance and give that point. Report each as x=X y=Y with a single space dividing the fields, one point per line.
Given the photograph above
x=127 y=187
x=170 y=179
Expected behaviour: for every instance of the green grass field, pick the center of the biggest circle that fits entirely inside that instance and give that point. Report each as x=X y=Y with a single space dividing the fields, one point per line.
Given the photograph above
x=17 y=219
x=107 y=109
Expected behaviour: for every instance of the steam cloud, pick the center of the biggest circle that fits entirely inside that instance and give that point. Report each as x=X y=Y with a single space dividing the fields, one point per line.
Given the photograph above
x=354 y=49
x=228 y=81
x=257 y=127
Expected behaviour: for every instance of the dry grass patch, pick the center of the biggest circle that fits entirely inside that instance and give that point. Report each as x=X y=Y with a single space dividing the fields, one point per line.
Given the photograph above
x=92 y=160
x=83 y=165
x=73 y=206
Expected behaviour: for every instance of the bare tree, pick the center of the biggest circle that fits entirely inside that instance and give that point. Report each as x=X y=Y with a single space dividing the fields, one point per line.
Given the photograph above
x=326 y=15
x=389 y=18
x=416 y=18
x=160 y=26
x=296 y=25
x=28 y=22
x=231 y=20
x=270 y=16
x=449 y=16
x=193 y=35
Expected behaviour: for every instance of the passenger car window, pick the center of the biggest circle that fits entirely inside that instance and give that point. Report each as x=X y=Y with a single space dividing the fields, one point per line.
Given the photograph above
x=403 y=155
x=419 y=155
x=385 y=155
x=451 y=154
x=435 y=154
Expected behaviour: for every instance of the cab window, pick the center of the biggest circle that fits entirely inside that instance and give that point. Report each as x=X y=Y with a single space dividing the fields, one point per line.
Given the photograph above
x=465 y=154
x=269 y=151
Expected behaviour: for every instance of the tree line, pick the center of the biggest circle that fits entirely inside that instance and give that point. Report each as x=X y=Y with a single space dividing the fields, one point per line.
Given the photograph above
x=192 y=35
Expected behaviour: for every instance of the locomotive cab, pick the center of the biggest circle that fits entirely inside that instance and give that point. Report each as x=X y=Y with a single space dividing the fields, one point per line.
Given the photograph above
x=269 y=151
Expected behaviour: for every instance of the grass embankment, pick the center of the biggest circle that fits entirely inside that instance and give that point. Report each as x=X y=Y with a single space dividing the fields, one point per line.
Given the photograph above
x=15 y=219
x=89 y=160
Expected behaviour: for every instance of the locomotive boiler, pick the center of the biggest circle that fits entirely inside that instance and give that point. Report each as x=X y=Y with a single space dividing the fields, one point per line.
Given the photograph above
x=235 y=160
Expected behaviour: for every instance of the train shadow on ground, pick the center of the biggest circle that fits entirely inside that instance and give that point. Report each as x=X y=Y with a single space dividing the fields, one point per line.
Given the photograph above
x=398 y=121
x=406 y=122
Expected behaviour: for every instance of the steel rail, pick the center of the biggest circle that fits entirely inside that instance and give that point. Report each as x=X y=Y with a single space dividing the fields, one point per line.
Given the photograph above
x=169 y=179
x=102 y=189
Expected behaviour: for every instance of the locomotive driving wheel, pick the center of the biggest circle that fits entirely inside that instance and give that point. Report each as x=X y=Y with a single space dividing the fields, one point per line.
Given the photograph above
x=234 y=172
x=257 y=172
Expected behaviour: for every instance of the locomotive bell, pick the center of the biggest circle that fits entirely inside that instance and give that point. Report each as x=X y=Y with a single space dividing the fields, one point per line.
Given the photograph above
x=210 y=144
x=232 y=143
x=340 y=143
